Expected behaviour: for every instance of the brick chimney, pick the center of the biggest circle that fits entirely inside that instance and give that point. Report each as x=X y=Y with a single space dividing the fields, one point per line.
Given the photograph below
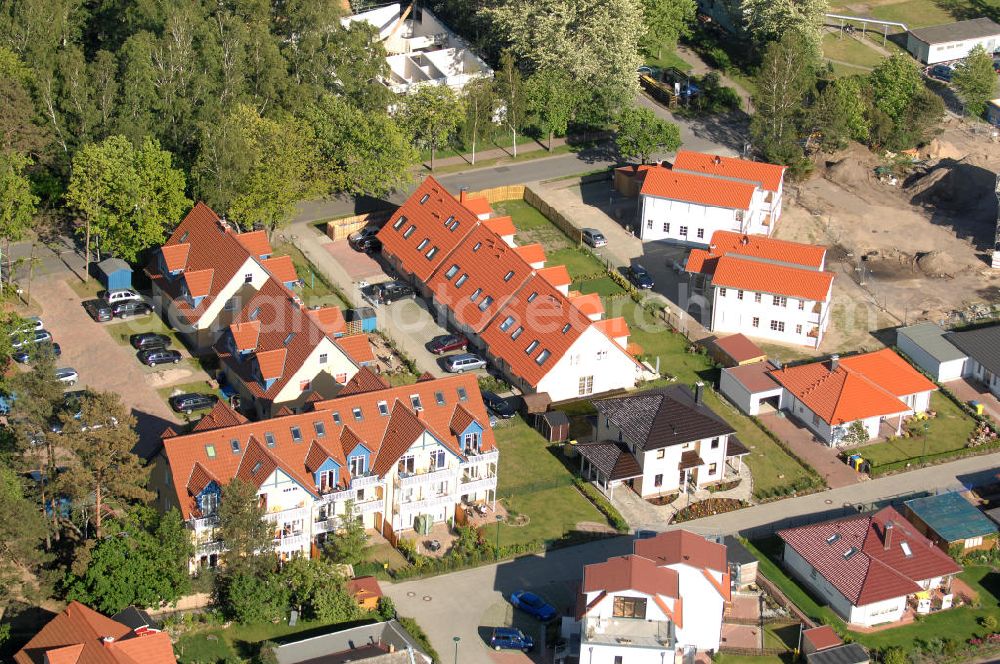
x=462 y=194
x=887 y=536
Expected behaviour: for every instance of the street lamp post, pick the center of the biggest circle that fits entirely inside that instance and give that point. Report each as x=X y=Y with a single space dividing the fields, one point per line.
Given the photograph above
x=499 y=521
x=456 y=639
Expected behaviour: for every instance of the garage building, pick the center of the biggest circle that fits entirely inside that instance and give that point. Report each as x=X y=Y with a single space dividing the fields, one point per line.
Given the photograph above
x=749 y=387
x=926 y=345
x=952 y=41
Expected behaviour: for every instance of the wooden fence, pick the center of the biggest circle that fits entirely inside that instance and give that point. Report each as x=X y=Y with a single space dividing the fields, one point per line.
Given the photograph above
x=339 y=229
x=753 y=652
x=553 y=215
x=780 y=597
x=512 y=192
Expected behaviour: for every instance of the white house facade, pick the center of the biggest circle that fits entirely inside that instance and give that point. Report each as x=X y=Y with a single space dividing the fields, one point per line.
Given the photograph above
x=980 y=345
x=927 y=346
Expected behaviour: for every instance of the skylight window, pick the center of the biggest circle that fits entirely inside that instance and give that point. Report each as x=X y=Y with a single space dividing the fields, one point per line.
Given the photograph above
x=257 y=466
x=531 y=298
x=508 y=276
x=288 y=338
x=462 y=394
x=516 y=333
x=477 y=247
x=439 y=398
x=531 y=347
x=320 y=429
x=399 y=222
x=566 y=328
x=905 y=546
x=507 y=322
x=296 y=434
x=415 y=402
x=409 y=231
x=255 y=313
x=185 y=236
x=833 y=538
x=336 y=418
x=454 y=226
x=210 y=451
x=484 y=305
x=383 y=408
x=475 y=294
x=423 y=199
x=423 y=243
x=432 y=252
x=357 y=414
x=269 y=439
x=235 y=444
x=850 y=552
x=452 y=271
x=544 y=355
x=449 y=220
x=462 y=280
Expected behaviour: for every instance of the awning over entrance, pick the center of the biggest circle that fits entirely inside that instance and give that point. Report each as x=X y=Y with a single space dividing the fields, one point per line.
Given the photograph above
x=736 y=448
x=690 y=460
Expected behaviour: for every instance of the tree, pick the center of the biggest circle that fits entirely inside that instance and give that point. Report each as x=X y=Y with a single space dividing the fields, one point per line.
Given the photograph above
x=510 y=92
x=386 y=608
x=253 y=596
x=975 y=80
x=785 y=78
x=854 y=434
x=903 y=109
x=22 y=532
x=348 y=547
x=666 y=22
x=640 y=134
x=551 y=99
x=770 y=20
x=17 y=203
x=480 y=109
x=840 y=113
x=359 y=153
x=895 y=655
x=104 y=470
x=143 y=561
x=430 y=115
x=20 y=128
x=128 y=196
x=316 y=587
x=596 y=42
x=895 y=83
x=247 y=538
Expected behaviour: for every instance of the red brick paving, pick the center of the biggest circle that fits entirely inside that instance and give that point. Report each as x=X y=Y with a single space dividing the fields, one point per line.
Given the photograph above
x=971 y=390
x=741 y=636
x=359 y=266
x=815 y=453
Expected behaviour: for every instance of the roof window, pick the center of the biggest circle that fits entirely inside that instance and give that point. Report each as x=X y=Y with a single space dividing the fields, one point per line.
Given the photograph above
x=210 y=451
x=383 y=408
x=452 y=271
x=850 y=552
x=449 y=220
x=462 y=394
x=454 y=226
x=423 y=199
x=833 y=538
x=288 y=338
x=531 y=298
x=257 y=466
x=184 y=237
x=235 y=444
x=544 y=355
x=531 y=347
x=357 y=414
x=320 y=429
x=423 y=243
x=409 y=231
x=399 y=222
x=415 y=401
x=484 y=305
x=905 y=546
x=516 y=333
x=462 y=280
x=475 y=294
x=477 y=247
x=296 y=434
x=269 y=439
x=430 y=254
x=508 y=276
x=566 y=328
x=336 y=418
x=439 y=398
x=255 y=313
x=507 y=322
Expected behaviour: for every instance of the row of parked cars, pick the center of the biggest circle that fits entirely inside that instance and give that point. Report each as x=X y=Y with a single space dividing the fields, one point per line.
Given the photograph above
x=121 y=303
x=31 y=339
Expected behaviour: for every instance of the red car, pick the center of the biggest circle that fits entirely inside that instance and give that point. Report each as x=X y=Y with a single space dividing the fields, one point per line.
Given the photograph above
x=447 y=342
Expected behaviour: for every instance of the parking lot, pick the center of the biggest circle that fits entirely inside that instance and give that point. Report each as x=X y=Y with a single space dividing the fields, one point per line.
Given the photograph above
x=105 y=363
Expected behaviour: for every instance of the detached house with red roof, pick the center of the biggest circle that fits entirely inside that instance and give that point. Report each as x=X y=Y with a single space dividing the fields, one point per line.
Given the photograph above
x=761 y=287
x=394 y=453
x=667 y=598
x=870 y=568
x=700 y=194
x=80 y=635
x=513 y=307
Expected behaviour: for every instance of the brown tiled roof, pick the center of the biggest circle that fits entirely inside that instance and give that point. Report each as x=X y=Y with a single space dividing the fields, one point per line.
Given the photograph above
x=739 y=348
x=220 y=416
x=666 y=416
x=365 y=380
x=822 y=637
x=363 y=586
x=631 y=572
x=871 y=573
x=175 y=256
x=682 y=546
x=690 y=459
x=255 y=242
x=199 y=282
x=79 y=631
x=735 y=447
x=760 y=247
x=281 y=268
x=611 y=458
x=342 y=433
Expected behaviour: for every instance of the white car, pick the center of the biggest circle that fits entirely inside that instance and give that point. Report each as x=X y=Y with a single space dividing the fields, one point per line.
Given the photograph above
x=67 y=376
x=122 y=295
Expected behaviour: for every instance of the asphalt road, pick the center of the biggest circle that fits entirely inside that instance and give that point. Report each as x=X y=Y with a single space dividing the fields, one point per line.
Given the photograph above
x=467 y=604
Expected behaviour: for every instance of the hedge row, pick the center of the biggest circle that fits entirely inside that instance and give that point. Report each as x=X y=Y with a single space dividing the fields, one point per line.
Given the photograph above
x=602 y=504
x=814 y=483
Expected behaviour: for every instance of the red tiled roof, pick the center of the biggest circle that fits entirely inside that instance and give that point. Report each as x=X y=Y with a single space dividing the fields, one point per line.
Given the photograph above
x=846 y=394
x=739 y=348
x=199 y=282
x=698 y=189
x=427 y=220
x=630 y=572
x=461 y=420
x=220 y=416
x=477 y=205
x=821 y=637
x=701 y=261
x=365 y=380
x=681 y=546
x=245 y=334
x=746 y=274
x=256 y=243
x=271 y=363
x=589 y=304
x=76 y=636
x=483 y=269
x=281 y=268
x=373 y=430
x=543 y=320
x=768 y=175
x=769 y=249
x=357 y=347
x=199 y=479
x=615 y=328
x=403 y=428
x=502 y=226
x=317 y=456
x=872 y=573
x=175 y=256
x=364 y=586
x=557 y=275
x=531 y=253
x=330 y=320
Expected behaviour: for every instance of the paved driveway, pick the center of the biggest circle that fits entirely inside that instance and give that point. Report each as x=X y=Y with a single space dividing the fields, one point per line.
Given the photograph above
x=358 y=265
x=816 y=454
x=972 y=390
x=103 y=364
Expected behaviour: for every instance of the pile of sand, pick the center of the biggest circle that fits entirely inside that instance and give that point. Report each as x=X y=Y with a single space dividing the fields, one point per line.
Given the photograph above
x=850 y=174
x=953 y=185
x=939 y=149
x=937 y=264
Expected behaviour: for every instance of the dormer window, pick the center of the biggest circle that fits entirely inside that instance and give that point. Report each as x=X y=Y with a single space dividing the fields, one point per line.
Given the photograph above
x=336 y=418
x=454 y=226
x=531 y=298
x=462 y=394
x=565 y=328
x=477 y=247
x=255 y=313
x=449 y=220
x=288 y=338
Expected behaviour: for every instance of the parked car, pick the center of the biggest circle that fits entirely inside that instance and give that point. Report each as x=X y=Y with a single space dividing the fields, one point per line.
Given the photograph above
x=121 y=295
x=365 y=240
x=130 y=308
x=533 y=605
x=511 y=638
x=941 y=73
x=464 y=362
x=67 y=375
x=146 y=340
x=446 y=342
x=186 y=403
x=390 y=291
x=28 y=338
x=154 y=356
x=99 y=310
x=25 y=354
x=594 y=237
x=31 y=324
x=639 y=277
x=498 y=406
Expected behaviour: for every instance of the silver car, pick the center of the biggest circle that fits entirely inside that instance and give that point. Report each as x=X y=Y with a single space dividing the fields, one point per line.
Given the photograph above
x=594 y=237
x=464 y=362
x=67 y=375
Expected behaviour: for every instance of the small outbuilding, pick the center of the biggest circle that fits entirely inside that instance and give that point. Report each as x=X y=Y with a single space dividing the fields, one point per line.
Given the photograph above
x=949 y=520
x=735 y=350
x=926 y=345
x=553 y=425
x=848 y=653
x=817 y=639
x=952 y=41
x=742 y=564
x=366 y=591
x=751 y=388
x=114 y=273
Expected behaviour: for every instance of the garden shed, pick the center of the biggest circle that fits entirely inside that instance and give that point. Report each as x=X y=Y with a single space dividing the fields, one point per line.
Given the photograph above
x=554 y=425
x=114 y=273
x=949 y=520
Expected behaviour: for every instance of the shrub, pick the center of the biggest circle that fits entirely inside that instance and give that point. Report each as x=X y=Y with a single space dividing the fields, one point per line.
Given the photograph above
x=411 y=626
x=602 y=504
x=386 y=609
x=989 y=622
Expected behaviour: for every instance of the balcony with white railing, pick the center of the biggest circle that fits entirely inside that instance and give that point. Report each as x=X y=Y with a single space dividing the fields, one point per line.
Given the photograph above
x=336 y=496
x=370 y=506
x=627 y=633
x=470 y=485
x=324 y=526
x=414 y=479
x=294 y=514
x=365 y=481
x=295 y=542
x=479 y=458
x=426 y=503
x=202 y=524
x=207 y=548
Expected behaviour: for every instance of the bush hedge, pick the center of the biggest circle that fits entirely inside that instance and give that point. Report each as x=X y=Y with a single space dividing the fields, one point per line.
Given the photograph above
x=602 y=504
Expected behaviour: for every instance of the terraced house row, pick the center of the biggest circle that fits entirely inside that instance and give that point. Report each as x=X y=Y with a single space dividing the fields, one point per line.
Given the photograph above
x=390 y=453
x=516 y=310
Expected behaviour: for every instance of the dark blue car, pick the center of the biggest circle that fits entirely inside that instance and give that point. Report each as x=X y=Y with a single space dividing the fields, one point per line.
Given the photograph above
x=509 y=638
x=639 y=277
x=533 y=605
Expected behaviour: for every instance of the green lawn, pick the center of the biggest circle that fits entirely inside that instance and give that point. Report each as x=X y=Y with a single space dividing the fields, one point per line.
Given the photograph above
x=915 y=13
x=203 y=648
x=526 y=218
x=723 y=658
x=850 y=50
x=948 y=431
x=317 y=291
x=604 y=286
x=667 y=58
x=535 y=483
x=121 y=332
x=578 y=263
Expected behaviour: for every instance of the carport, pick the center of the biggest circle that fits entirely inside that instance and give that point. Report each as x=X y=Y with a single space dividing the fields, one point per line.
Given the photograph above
x=751 y=388
x=609 y=463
